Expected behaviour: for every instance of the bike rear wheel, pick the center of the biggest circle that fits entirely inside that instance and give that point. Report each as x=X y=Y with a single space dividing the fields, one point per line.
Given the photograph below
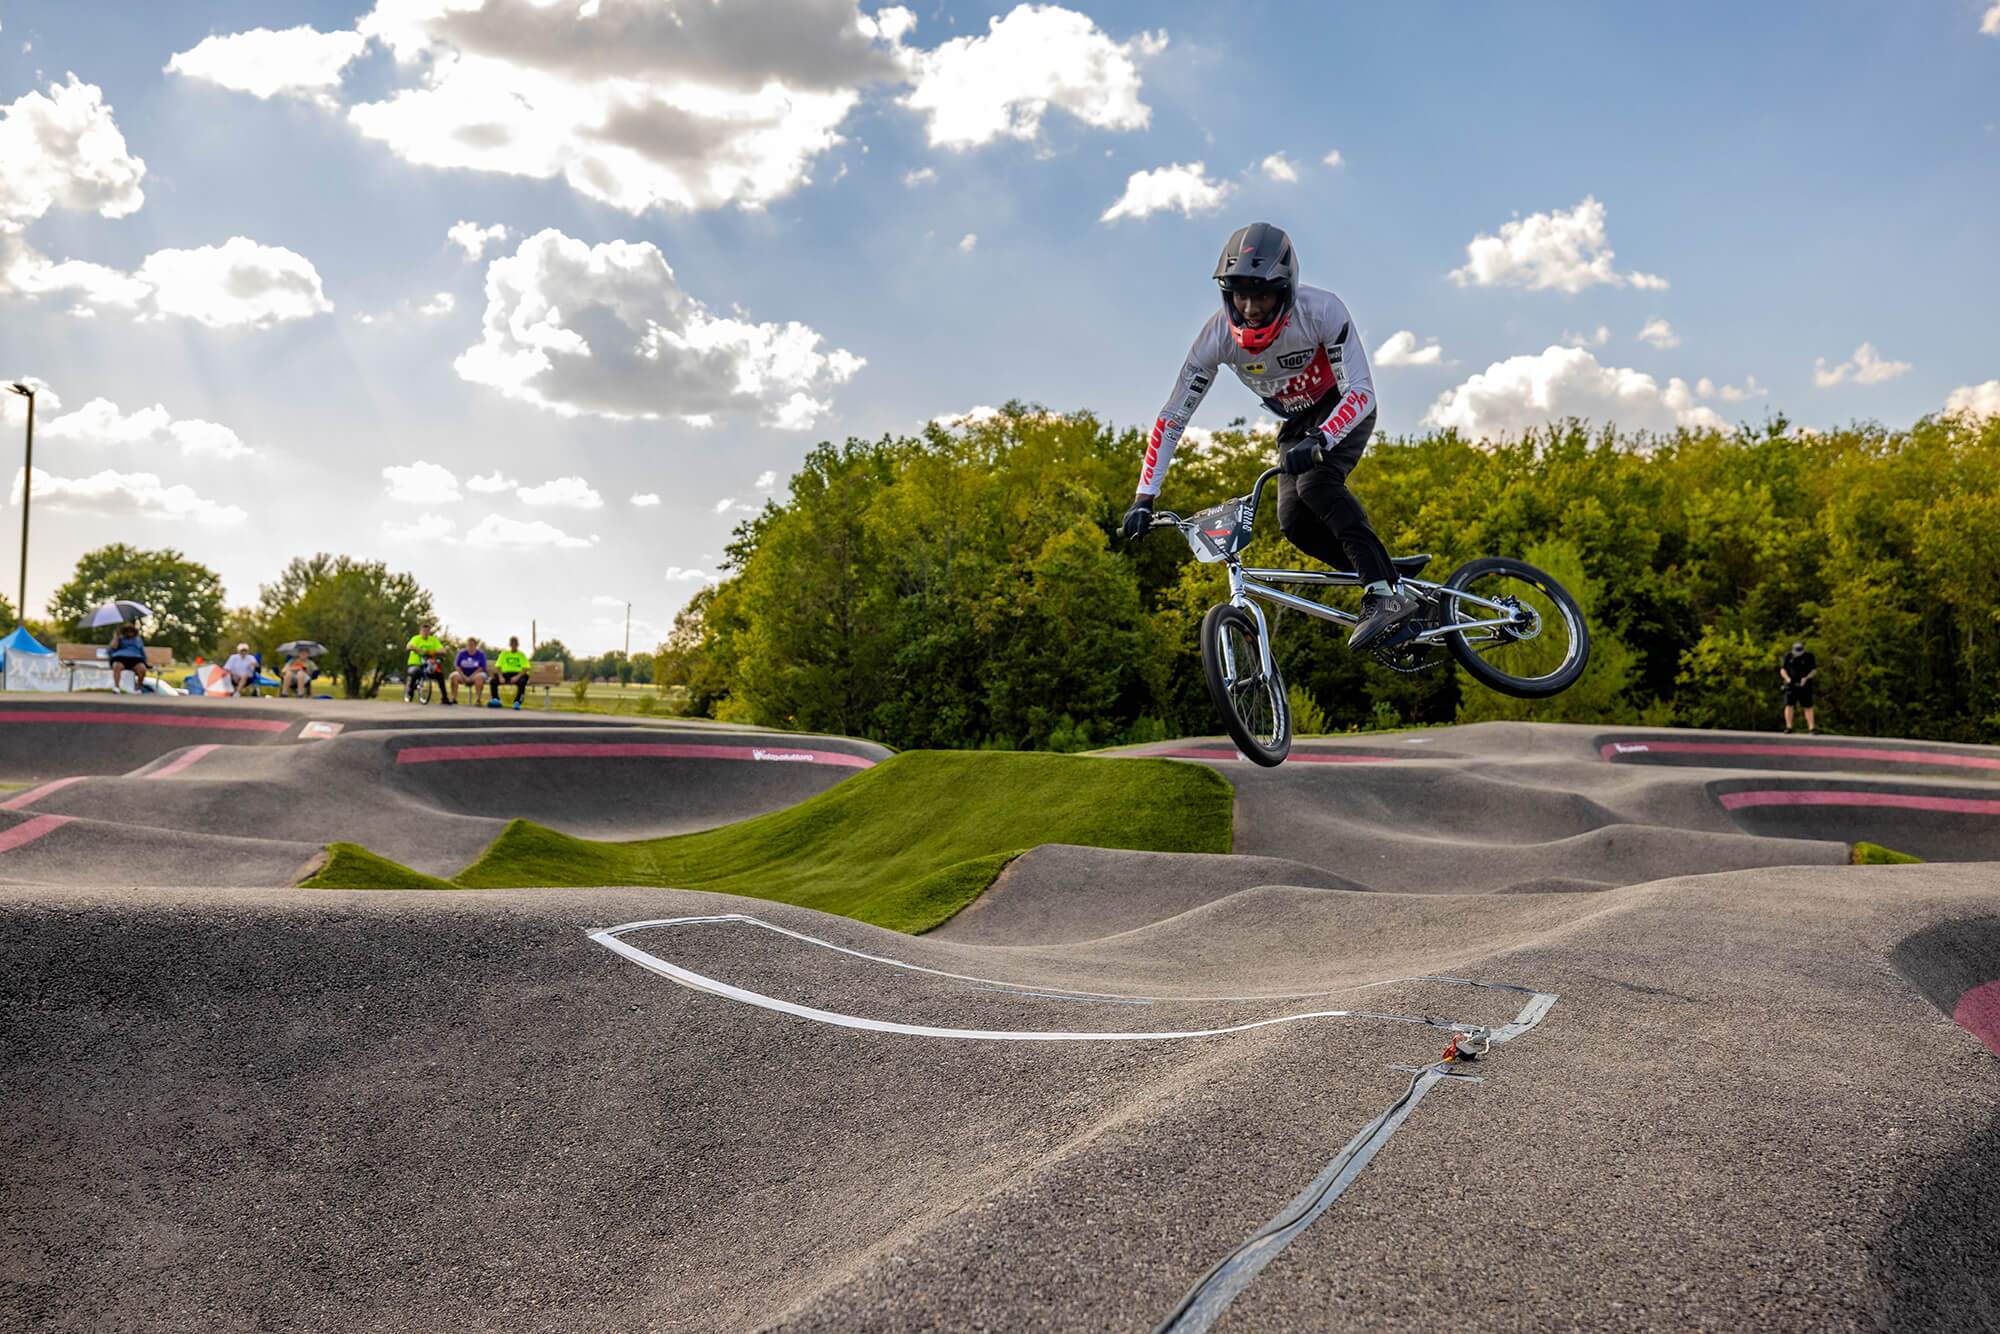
x=1253 y=706
x=1543 y=648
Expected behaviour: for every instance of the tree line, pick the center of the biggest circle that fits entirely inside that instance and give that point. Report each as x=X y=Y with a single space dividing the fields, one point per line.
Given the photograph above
x=967 y=588
x=362 y=611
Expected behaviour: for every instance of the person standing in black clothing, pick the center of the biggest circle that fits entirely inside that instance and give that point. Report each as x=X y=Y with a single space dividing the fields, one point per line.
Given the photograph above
x=1796 y=671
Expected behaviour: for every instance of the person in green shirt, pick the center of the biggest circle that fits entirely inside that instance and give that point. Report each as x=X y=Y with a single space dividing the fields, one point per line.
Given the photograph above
x=510 y=667
x=426 y=658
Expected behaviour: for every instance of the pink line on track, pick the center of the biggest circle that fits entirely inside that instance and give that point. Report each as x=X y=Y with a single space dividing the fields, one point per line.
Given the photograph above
x=1297 y=757
x=1611 y=750
x=30 y=830
x=140 y=718
x=1909 y=801
x=35 y=794
x=193 y=756
x=648 y=750
x=1978 y=1013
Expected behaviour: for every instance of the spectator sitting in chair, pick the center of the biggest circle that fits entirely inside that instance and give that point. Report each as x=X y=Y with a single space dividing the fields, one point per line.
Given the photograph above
x=510 y=669
x=298 y=672
x=470 y=669
x=128 y=653
x=242 y=671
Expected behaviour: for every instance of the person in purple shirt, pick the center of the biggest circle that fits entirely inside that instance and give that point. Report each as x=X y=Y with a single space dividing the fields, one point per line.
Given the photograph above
x=470 y=669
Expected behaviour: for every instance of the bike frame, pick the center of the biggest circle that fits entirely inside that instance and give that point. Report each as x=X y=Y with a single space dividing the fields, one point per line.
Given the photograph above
x=1248 y=585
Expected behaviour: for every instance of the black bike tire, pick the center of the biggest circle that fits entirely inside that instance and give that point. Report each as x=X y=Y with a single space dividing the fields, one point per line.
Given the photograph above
x=1250 y=747
x=1506 y=683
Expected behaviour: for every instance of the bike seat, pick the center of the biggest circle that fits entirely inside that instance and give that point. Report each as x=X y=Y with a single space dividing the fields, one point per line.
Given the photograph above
x=1410 y=564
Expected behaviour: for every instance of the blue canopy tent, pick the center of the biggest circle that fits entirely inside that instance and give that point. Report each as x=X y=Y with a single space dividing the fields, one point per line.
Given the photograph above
x=28 y=664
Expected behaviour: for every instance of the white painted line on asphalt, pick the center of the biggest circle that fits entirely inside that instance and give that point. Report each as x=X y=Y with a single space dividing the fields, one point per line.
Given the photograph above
x=1206 y=1301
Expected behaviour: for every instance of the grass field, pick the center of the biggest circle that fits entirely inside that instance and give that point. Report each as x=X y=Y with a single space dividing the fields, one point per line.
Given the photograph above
x=903 y=845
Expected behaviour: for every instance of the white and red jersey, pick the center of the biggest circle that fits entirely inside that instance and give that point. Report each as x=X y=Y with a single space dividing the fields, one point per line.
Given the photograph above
x=1316 y=359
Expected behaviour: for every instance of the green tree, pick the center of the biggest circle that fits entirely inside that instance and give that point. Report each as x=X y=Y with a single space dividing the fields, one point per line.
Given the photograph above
x=362 y=611
x=553 y=650
x=185 y=596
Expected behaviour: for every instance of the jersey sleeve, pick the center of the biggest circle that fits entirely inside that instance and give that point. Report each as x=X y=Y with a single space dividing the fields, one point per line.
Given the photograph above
x=1197 y=374
x=1357 y=381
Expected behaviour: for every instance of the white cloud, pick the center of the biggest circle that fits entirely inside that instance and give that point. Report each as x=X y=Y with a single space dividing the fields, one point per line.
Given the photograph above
x=236 y=283
x=426 y=527
x=678 y=575
x=1280 y=168
x=1980 y=400
x=968 y=241
x=1333 y=159
x=421 y=483
x=766 y=479
x=472 y=238
x=1400 y=349
x=951 y=421
x=100 y=422
x=646 y=500
x=515 y=535
x=1185 y=187
x=722 y=506
x=607 y=330
x=1565 y=251
x=1598 y=339
x=490 y=483
x=1659 y=334
x=138 y=495
x=1730 y=393
x=634 y=103
x=1990 y=24
x=1510 y=396
x=297 y=62
x=64 y=150
x=920 y=176
x=443 y=303
x=973 y=90
x=572 y=493
x=607 y=600
x=1864 y=367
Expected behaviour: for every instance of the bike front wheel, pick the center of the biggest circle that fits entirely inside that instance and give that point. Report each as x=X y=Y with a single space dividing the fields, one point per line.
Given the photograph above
x=1252 y=703
x=424 y=691
x=1532 y=644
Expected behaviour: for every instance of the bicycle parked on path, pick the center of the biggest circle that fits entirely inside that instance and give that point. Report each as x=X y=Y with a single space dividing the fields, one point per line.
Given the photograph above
x=1510 y=625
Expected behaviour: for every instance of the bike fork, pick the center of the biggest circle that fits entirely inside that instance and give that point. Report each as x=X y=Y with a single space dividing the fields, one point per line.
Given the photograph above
x=1237 y=597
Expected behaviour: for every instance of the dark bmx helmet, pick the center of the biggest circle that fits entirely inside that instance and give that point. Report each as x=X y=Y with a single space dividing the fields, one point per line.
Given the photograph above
x=1258 y=258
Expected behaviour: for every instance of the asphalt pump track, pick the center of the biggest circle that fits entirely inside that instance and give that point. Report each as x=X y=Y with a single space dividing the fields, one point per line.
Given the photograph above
x=1493 y=1027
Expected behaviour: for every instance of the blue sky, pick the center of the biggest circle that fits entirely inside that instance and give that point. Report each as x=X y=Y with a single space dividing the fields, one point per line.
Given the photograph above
x=1804 y=179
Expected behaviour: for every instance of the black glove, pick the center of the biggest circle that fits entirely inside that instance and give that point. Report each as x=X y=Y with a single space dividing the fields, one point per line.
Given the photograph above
x=1139 y=518
x=1302 y=457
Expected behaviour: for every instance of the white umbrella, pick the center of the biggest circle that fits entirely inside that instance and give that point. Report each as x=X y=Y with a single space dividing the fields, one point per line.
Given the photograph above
x=116 y=612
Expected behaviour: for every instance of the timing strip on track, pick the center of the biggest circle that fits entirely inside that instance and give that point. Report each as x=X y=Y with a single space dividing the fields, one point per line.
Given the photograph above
x=1213 y=1293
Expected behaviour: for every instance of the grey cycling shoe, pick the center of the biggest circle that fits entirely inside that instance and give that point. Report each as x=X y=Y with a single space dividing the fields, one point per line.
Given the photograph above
x=1381 y=613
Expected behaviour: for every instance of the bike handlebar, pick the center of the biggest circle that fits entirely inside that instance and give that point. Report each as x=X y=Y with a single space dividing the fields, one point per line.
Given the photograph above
x=1169 y=519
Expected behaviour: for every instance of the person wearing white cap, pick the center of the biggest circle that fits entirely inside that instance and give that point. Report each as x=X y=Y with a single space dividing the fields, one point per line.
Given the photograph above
x=242 y=670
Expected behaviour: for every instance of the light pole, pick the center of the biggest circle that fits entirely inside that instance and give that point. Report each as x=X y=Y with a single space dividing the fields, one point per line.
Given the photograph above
x=27 y=493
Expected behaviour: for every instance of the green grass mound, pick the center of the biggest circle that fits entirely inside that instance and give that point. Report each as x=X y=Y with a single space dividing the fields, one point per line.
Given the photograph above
x=903 y=845
x=351 y=866
x=1874 y=854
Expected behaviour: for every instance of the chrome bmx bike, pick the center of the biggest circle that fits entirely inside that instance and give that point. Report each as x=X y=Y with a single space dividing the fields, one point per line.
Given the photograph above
x=1511 y=626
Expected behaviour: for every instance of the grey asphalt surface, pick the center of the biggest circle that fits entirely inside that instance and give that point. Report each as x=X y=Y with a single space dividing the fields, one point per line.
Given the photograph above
x=261 y=1108
x=214 y=784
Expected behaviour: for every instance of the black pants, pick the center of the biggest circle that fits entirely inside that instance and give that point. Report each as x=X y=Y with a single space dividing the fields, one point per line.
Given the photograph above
x=1324 y=519
x=518 y=680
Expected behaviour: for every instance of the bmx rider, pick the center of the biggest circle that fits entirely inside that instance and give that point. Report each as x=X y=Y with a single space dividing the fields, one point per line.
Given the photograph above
x=1296 y=348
